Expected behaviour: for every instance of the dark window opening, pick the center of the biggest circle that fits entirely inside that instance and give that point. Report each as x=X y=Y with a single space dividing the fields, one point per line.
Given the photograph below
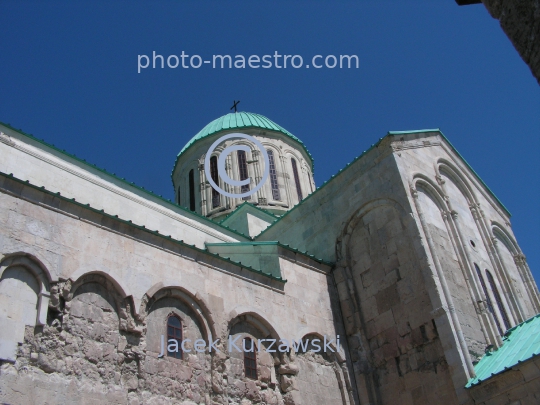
x=488 y=299
x=250 y=359
x=216 y=201
x=472 y=243
x=178 y=195
x=191 y=190
x=174 y=332
x=495 y=290
x=273 y=177
x=296 y=180
x=243 y=172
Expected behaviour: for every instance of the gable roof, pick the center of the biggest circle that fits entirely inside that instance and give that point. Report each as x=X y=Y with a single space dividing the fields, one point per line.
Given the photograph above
x=389 y=134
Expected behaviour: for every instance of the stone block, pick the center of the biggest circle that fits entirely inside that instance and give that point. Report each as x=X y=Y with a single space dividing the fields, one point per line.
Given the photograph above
x=380 y=324
x=387 y=298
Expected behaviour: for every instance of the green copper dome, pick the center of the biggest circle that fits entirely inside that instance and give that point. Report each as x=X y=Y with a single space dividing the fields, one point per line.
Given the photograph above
x=241 y=120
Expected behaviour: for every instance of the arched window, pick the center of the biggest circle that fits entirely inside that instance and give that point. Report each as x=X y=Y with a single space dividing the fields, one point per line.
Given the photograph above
x=273 y=176
x=174 y=332
x=488 y=298
x=214 y=173
x=243 y=171
x=250 y=359
x=498 y=300
x=191 y=190
x=296 y=180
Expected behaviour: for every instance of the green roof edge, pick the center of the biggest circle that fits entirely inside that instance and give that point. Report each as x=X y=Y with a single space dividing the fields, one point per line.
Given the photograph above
x=251 y=204
x=475 y=381
x=320 y=187
x=130 y=184
x=132 y=224
x=390 y=133
x=284 y=246
x=462 y=158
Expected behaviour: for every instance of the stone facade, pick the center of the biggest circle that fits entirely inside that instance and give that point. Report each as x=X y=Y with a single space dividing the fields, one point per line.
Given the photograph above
x=520 y=20
x=383 y=257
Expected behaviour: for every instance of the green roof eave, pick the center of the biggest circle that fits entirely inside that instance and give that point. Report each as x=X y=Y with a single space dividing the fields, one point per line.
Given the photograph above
x=320 y=187
x=276 y=243
x=390 y=133
x=520 y=343
x=140 y=227
x=127 y=183
x=462 y=158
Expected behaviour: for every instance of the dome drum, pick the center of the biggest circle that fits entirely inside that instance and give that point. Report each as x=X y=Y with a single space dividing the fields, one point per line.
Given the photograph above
x=290 y=177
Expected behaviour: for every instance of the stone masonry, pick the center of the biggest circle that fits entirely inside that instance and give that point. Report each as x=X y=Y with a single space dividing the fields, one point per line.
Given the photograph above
x=405 y=256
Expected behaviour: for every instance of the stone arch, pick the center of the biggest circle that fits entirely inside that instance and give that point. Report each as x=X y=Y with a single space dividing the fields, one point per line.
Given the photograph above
x=340 y=354
x=320 y=369
x=471 y=237
x=366 y=267
x=100 y=277
x=453 y=271
x=452 y=172
x=256 y=319
x=24 y=299
x=191 y=370
x=516 y=273
x=504 y=236
x=99 y=283
x=245 y=323
x=194 y=301
x=433 y=189
x=39 y=272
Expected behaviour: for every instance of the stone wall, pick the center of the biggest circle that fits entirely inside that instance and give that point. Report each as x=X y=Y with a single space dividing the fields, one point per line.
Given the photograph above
x=519 y=385
x=410 y=223
x=520 y=20
x=394 y=340
x=110 y=289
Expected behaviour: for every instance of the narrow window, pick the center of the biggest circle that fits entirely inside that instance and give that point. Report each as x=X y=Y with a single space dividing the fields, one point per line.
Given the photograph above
x=310 y=183
x=191 y=190
x=215 y=177
x=243 y=172
x=178 y=195
x=250 y=359
x=488 y=299
x=498 y=300
x=174 y=332
x=273 y=176
x=296 y=180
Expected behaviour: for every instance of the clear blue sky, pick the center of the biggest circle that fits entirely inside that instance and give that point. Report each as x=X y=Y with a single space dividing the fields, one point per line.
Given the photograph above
x=68 y=74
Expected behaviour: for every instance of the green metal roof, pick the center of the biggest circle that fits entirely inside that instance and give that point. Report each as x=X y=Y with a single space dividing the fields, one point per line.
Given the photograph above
x=187 y=212
x=240 y=120
x=520 y=344
x=390 y=133
x=140 y=227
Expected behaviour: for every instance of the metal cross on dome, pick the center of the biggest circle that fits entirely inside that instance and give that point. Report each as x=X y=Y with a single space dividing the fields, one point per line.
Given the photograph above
x=234 y=105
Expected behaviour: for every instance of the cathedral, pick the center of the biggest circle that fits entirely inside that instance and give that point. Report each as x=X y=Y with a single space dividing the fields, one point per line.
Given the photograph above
x=397 y=281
